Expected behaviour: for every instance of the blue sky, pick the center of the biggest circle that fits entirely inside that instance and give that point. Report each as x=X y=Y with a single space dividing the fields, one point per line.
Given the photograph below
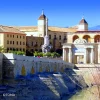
x=60 y=13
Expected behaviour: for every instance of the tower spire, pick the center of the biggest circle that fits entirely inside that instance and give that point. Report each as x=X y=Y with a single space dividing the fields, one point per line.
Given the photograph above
x=42 y=11
x=83 y=16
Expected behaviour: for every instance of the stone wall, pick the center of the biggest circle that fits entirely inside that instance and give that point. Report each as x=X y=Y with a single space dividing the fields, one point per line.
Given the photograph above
x=15 y=65
x=1 y=58
x=51 y=85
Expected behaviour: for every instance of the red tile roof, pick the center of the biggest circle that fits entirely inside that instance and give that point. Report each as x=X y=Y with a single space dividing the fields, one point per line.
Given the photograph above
x=42 y=17
x=83 y=21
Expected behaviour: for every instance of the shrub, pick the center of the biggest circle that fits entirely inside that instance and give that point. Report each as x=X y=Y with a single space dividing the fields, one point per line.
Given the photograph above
x=54 y=54
x=48 y=54
x=17 y=52
x=40 y=54
x=10 y=51
x=35 y=53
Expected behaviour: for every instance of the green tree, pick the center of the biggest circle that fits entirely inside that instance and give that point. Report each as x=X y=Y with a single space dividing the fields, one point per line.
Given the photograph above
x=20 y=53
x=48 y=54
x=17 y=52
x=54 y=54
x=35 y=53
x=2 y=49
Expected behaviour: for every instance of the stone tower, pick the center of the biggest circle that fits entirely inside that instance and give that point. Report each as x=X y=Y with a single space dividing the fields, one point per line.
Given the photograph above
x=42 y=25
x=46 y=47
x=83 y=25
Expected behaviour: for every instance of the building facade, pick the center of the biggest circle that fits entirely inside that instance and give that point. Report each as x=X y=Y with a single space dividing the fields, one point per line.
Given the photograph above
x=83 y=46
x=12 y=39
x=57 y=35
x=79 y=45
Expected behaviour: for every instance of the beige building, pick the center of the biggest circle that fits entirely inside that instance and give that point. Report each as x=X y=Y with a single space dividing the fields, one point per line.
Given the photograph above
x=57 y=35
x=78 y=43
x=12 y=39
x=83 y=46
x=34 y=43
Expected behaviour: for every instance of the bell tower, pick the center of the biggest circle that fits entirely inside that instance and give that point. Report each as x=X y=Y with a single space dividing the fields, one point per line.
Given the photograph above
x=42 y=25
x=83 y=25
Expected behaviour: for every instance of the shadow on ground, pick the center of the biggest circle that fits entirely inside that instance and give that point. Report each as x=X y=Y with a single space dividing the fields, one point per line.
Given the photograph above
x=42 y=86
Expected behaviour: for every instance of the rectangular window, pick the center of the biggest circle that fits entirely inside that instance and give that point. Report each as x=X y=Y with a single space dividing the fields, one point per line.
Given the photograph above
x=7 y=41
x=13 y=49
x=23 y=43
x=60 y=37
x=32 y=43
x=20 y=42
x=32 y=50
x=13 y=36
x=17 y=42
x=17 y=36
x=49 y=36
x=10 y=42
x=7 y=49
x=20 y=36
x=23 y=49
x=10 y=48
x=16 y=49
x=54 y=36
x=13 y=42
x=64 y=37
x=26 y=44
x=7 y=35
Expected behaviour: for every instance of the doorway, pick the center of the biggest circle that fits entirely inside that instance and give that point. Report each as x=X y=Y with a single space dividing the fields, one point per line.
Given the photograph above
x=79 y=59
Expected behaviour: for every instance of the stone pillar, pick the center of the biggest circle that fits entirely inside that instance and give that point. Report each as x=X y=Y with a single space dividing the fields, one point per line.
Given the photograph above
x=92 y=56
x=70 y=55
x=92 y=40
x=99 y=53
x=64 y=54
x=85 y=56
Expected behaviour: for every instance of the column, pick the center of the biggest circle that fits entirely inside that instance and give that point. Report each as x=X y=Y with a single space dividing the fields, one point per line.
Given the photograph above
x=70 y=55
x=64 y=54
x=46 y=26
x=85 y=56
x=98 y=53
x=92 y=56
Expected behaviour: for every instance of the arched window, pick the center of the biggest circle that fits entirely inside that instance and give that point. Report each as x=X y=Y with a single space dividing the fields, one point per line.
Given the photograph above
x=97 y=38
x=87 y=38
x=75 y=37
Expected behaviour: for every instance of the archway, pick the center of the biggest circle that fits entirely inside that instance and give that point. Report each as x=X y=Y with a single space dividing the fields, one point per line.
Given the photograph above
x=47 y=69
x=55 y=69
x=32 y=70
x=23 y=71
x=87 y=38
x=62 y=69
x=75 y=37
x=40 y=69
x=97 y=38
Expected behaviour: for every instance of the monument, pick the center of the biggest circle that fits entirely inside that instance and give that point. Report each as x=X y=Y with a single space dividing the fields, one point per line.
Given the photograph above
x=46 y=46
